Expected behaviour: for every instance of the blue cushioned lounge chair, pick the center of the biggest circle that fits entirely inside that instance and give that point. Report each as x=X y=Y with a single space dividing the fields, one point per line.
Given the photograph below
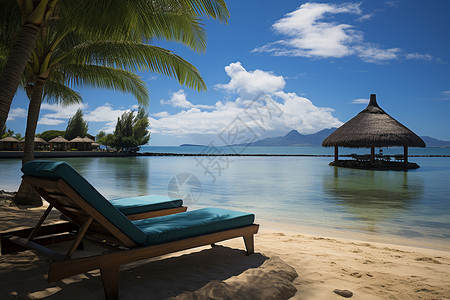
x=93 y=218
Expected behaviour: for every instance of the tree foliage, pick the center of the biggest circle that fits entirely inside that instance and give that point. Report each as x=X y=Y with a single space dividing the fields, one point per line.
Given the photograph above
x=130 y=133
x=77 y=126
x=100 y=135
x=51 y=134
x=2 y=130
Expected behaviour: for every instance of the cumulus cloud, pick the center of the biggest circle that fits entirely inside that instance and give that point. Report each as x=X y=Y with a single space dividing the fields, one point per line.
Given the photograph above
x=60 y=111
x=251 y=83
x=178 y=99
x=272 y=111
x=104 y=113
x=311 y=31
x=16 y=113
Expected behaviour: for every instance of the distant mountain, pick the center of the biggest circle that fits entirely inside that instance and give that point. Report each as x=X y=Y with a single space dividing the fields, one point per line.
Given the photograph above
x=432 y=142
x=294 y=138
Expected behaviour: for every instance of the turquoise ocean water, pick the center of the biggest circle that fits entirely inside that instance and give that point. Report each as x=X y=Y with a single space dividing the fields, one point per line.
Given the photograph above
x=299 y=193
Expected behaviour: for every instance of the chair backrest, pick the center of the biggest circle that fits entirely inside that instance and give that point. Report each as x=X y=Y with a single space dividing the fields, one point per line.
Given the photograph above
x=70 y=193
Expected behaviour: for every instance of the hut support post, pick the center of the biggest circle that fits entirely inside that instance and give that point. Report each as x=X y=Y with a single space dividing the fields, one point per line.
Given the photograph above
x=405 y=154
x=336 y=153
x=372 y=153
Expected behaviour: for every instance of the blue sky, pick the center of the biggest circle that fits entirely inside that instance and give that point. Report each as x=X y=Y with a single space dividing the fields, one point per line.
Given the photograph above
x=282 y=65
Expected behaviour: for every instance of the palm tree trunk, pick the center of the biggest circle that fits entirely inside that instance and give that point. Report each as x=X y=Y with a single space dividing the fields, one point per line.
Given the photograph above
x=14 y=67
x=26 y=194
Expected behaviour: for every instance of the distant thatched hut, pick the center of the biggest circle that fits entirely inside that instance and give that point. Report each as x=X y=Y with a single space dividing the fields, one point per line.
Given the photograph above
x=59 y=143
x=39 y=143
x=371 y=128
x=9 y=144
x=81 y=144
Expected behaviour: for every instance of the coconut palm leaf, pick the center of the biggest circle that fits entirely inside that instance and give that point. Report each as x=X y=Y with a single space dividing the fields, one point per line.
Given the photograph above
x=58 y=93
x=78 y=75
x=139 y=19
x=134 y=56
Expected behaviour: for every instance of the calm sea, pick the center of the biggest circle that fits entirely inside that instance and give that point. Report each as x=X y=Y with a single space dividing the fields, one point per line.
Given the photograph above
x=295 y=193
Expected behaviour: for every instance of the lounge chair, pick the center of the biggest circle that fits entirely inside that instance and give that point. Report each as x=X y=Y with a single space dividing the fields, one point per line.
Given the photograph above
x=95 y=219
x=150 y=206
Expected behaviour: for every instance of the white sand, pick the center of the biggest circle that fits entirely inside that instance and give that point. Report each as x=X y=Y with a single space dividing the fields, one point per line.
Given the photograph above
x=369 y=270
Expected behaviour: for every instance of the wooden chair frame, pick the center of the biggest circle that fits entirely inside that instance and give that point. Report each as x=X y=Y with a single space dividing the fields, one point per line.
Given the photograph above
x=88 y=224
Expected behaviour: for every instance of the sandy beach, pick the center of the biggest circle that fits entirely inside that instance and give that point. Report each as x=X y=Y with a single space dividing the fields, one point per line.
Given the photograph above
x=286 y=265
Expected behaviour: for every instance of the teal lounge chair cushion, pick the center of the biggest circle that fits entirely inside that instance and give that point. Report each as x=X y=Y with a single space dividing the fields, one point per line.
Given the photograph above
x=60 y=169
x=192 y=223
x=136 y=205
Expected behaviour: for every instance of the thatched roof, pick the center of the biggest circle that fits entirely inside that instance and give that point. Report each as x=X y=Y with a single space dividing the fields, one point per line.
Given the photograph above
x=88 y=140
x=39 y=140
x=58 y=139
x=78 y=139
x=373 y=126
x=36 y=140
x=9 y=139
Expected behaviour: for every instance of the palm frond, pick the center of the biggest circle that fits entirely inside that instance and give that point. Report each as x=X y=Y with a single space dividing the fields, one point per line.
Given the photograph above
x=216 y=9
x=57 y=92
x=78 y=75
x=134 y=56
x=137 y=19
x=10 y=22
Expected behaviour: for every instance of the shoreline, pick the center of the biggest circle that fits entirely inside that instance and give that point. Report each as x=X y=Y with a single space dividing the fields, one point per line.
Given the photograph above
x=431 y=244
x=370 y=270
x=65 y=154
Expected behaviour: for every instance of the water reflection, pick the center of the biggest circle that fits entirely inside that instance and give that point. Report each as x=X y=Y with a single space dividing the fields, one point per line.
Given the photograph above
x=372 y=197
x=115 y=177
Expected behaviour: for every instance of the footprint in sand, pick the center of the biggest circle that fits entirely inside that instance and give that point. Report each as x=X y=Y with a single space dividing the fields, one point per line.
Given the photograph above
x=428 y=259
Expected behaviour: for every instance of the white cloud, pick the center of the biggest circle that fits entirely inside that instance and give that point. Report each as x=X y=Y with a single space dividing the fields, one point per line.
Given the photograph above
x=419 y=56
x=273 y=111
x=16 y=113
x=374 y=54
x=365 y=17
x=47 y=121
x=360 y=101
x=251 y=83
x=312 y=31
x=178 y=99
x=104 y=113
x=107 y=114
x=60 y=114
x=60 y=111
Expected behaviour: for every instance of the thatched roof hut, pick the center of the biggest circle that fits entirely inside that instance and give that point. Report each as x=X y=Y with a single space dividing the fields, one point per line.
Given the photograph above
x=80 y=143
x=58 y=139
x=39 y=143
x=78 y=139
x=39 y=140
x=371 y=128
x=9 y=143
x=59 y=143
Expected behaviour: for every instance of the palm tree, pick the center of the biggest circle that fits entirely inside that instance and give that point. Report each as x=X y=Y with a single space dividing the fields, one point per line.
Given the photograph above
x=175 y=20
x=63 y=59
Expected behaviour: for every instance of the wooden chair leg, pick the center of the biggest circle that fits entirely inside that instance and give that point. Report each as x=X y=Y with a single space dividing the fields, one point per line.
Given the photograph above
x=110 y=279
x=249 y=243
